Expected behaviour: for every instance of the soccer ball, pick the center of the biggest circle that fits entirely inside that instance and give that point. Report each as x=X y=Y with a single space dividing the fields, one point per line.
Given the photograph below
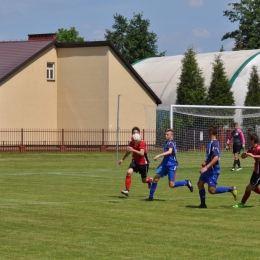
x=136 y=138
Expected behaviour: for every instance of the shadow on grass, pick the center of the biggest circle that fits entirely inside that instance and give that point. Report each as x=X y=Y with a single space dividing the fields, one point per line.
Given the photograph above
x=119 y=197
x=227 y=207
x=194 y=207
x=146 y=200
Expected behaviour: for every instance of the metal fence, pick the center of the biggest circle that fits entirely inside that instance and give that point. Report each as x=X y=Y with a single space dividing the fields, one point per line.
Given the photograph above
x=70 y=140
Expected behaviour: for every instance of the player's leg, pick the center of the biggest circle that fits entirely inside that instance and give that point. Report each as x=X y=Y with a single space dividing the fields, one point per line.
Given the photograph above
x=236 y=152
x=237 y=158
x=252 y=186
x=143 y=170
x=213 y=181
x=161 y=172
x=174 y=184
x=202 y=192
x=128 y=179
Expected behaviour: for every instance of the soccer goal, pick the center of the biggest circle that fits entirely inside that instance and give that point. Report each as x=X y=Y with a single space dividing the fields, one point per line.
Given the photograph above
x=190 y=124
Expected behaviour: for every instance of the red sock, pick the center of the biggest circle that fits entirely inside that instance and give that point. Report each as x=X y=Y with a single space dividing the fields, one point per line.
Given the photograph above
x=148 y=180
x=128 y=180
x=257 y=190
x=246 y=196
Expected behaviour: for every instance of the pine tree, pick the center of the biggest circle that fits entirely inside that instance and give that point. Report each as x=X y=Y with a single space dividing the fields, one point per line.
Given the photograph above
x=252 y=98
x=219 y=92
x=191 y=89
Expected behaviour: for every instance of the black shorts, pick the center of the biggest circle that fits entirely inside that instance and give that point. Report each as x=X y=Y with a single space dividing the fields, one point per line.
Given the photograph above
x=255 y=179
x=237 y=148
x=141 y=169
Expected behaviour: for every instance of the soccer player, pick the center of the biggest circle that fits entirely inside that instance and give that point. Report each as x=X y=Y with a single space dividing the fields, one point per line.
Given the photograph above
x=238 y=143
x=254 y=152
x=210 y=170
x=140 y=162
x=168 y=166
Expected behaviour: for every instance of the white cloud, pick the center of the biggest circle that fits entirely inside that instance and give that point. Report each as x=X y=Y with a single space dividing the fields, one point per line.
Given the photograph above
x=198 y=50
x=200 y=33
x=229 y=46
x=97 y=35
x=170 y=38
x=196 y=3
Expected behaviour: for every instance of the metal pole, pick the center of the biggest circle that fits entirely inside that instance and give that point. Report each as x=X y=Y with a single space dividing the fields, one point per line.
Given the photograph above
x=117 y=129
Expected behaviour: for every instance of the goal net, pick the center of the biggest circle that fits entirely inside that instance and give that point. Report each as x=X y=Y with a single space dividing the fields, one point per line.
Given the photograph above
x=190 y=125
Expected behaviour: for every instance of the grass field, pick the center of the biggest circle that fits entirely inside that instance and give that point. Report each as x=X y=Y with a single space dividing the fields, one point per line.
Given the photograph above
x=69 y=206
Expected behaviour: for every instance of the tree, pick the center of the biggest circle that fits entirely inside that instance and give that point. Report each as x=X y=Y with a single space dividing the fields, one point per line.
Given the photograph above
x=71 y=35
x=132 y=38
x=191 y=89
x=219 y=91
x=222 y=48
x=252 y=98
x=247 y=14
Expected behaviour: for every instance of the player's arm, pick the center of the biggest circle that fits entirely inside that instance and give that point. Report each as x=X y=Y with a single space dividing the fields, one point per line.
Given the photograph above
x=244 y=155
x=210 y=164
x=163 y=154
x=126 y=154
x=131 y=149
x=255 y=156
x=203 y=164
x=229 y=137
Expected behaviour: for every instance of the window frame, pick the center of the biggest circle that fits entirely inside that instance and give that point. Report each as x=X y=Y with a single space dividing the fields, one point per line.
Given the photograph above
x=50 y=71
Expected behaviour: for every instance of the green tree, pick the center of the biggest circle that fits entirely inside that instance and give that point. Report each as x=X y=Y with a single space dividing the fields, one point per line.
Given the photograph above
x=132 y=38
x=219 y=91
x=247 y=14
x=222 y=48
x=252 y=98
x=71 y=35
x=191 y=89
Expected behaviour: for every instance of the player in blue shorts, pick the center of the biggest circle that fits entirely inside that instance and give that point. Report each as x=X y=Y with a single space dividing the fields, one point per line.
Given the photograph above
x=168 y=166
x=210 y=170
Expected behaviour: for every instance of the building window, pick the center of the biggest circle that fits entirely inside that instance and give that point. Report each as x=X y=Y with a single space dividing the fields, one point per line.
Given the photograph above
x=50 y=71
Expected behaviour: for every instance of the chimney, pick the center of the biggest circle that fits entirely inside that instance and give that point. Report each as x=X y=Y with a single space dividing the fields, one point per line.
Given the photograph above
x=41 y=37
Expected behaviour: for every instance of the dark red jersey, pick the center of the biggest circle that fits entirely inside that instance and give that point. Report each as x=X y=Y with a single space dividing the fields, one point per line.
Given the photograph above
x=140 y=160
x=255 y=151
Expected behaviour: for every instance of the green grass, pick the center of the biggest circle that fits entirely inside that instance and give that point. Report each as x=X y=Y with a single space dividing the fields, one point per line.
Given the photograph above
x=69 y=206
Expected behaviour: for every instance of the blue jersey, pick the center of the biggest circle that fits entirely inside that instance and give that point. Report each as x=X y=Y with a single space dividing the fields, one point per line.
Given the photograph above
x=213 y=150
x=170 y=159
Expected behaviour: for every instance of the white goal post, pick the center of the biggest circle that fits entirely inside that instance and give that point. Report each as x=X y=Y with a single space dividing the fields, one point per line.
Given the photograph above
x=190 y=124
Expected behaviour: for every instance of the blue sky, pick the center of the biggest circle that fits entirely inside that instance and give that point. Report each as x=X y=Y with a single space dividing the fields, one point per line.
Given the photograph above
x=179 y=24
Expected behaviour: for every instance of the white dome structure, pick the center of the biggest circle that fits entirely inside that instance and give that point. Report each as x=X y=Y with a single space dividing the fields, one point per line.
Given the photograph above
x=162 y=73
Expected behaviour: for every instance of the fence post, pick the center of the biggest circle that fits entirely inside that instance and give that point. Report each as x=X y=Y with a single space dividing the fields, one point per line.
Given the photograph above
x=63 y=147
x=103 y=147
x=22 y=147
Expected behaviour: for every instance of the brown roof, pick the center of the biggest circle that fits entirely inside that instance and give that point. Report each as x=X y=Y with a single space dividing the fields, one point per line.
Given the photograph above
x=15 y=54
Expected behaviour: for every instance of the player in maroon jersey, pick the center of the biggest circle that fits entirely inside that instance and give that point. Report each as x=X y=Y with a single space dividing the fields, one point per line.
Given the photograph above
x=140 y=162
x=254 y=152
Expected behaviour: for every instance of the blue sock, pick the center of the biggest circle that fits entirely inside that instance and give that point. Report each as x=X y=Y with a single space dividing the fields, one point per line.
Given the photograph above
x=222 y=189
x=152 y=190
x=202 y=196
x=180 y=183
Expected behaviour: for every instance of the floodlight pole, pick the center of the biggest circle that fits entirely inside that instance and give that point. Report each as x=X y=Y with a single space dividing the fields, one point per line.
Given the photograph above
x=117 y=128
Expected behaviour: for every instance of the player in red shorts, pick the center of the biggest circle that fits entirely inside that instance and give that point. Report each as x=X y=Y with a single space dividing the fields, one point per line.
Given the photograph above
x=140 y=162
x=254 y=152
